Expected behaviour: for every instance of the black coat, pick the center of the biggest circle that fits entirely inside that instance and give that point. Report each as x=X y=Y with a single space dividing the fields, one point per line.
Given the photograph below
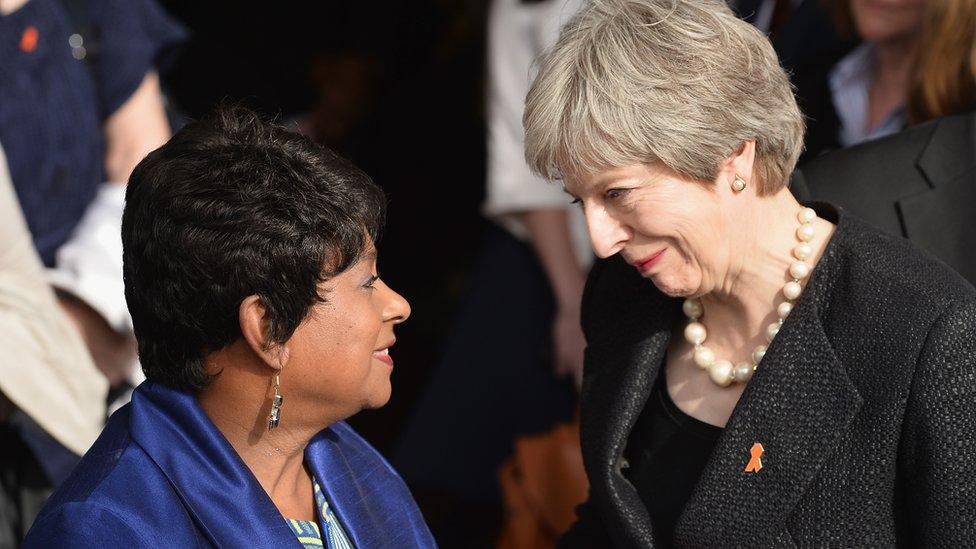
x=920 y=184
x=865 y=403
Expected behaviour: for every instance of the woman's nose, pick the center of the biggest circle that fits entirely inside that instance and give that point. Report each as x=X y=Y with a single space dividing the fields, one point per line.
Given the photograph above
x=607 y=234
x=397 y=309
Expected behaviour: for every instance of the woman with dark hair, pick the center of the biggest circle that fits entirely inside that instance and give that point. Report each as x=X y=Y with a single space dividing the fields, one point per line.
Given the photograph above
x=250 y=273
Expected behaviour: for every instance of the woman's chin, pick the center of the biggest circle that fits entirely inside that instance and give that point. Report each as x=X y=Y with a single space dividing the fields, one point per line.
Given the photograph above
x=379 y=398
x=671 y=287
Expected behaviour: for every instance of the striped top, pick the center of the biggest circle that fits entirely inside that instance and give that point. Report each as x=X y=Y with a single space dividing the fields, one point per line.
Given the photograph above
x=308 y=532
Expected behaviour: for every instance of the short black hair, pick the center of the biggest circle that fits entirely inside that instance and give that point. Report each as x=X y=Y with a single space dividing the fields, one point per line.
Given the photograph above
x=234 y=206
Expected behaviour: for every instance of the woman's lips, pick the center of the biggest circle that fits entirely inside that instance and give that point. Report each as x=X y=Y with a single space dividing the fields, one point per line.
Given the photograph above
x=649 y=262
x=384 y=356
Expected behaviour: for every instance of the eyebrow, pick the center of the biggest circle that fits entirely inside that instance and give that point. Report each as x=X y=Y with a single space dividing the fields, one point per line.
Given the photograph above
x=611 y=180
x=607 y=181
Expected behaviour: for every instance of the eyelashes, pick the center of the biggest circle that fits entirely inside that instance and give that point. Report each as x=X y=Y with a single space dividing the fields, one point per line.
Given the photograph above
x=616 y=194
x=371 y=281
x=611 y=195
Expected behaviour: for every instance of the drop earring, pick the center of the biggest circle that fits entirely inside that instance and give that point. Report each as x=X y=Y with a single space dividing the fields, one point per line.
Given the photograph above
x=738 y=184
x=276 y=402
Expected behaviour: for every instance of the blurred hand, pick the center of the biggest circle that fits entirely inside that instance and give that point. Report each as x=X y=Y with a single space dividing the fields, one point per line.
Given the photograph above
x=550 y=236
x=113 y=353
x=568 y=343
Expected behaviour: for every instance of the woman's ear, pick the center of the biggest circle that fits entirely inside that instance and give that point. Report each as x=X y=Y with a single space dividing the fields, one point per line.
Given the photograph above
x=741 y=162
x=252 y=316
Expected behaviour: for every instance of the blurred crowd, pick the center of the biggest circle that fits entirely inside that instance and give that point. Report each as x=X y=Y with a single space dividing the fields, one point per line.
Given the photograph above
x=427 y=97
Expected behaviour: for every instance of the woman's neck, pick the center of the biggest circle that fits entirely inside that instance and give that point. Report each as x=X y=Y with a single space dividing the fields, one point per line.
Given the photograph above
x=238 y=402
x=275 y=457
x=738 y=311
x=890 y=78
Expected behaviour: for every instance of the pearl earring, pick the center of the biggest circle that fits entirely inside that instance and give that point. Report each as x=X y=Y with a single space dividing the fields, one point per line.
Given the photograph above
x=738 y=184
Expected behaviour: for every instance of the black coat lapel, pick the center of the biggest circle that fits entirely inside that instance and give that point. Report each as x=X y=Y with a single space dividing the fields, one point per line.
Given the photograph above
x=624 y=362
x=940 y=218
x=798 y=406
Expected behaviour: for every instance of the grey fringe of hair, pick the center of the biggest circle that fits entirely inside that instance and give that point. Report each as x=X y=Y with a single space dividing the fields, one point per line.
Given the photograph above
x=680 y=82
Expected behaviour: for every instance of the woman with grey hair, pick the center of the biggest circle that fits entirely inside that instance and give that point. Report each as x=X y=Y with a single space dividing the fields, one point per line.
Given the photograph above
x=758 y=372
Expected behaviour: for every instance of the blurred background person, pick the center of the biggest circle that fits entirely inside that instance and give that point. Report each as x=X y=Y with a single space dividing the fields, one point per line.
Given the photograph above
x=852 y=96
x=920 y=183
x=52 y=397
x=250 y=273
x=82 y=105
x=516 y=347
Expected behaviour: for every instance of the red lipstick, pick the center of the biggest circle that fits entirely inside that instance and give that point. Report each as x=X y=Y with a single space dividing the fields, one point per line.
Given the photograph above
x=649 y=262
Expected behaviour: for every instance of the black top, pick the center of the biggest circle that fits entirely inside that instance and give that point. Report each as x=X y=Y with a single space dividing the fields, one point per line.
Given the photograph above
x=863 y=405
x=667 y=451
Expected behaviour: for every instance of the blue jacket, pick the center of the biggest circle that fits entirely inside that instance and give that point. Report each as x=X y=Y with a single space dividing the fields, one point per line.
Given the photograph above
x=162 y=475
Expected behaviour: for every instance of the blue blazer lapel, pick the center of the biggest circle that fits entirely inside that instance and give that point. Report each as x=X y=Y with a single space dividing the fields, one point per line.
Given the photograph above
x=221 y=494
x=369 y=497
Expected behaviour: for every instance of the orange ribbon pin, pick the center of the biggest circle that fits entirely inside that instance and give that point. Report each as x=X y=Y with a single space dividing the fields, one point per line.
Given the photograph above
x=755 y=462
x=28 y=40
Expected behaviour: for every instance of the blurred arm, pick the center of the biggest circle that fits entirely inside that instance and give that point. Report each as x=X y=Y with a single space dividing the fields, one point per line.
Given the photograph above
x=550 y=237
x=523 y=202
x=138 y=127
x=88 y=273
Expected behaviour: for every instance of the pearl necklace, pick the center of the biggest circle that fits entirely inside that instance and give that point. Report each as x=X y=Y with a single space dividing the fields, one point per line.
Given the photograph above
x=722 y=372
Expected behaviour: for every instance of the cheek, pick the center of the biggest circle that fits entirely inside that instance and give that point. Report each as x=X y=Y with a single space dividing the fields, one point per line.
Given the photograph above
x=690 y=238
x=337 y=350
x=678 y=211
x=356 y=341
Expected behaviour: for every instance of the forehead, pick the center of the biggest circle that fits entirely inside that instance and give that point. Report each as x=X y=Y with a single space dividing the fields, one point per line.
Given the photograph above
x=582 y=184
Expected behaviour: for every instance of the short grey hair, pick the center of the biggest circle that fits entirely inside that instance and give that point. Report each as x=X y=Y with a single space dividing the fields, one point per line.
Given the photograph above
x=680 y=82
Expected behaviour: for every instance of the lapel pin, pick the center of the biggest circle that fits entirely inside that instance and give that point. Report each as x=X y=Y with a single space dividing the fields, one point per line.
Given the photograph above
x=28 y=40
x=755 y=461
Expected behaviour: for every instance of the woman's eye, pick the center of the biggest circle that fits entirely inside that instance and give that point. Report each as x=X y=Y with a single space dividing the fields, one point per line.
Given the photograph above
x=576 y=201
x=615 y=194
x=372 y=280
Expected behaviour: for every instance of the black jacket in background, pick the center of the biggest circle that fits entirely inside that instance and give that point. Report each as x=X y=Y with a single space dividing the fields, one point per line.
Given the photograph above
x=920 y=184
x=865 y=404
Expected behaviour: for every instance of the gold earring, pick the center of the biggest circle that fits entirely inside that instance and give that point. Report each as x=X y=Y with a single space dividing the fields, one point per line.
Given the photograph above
x=738 y=184
x=276 y=402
